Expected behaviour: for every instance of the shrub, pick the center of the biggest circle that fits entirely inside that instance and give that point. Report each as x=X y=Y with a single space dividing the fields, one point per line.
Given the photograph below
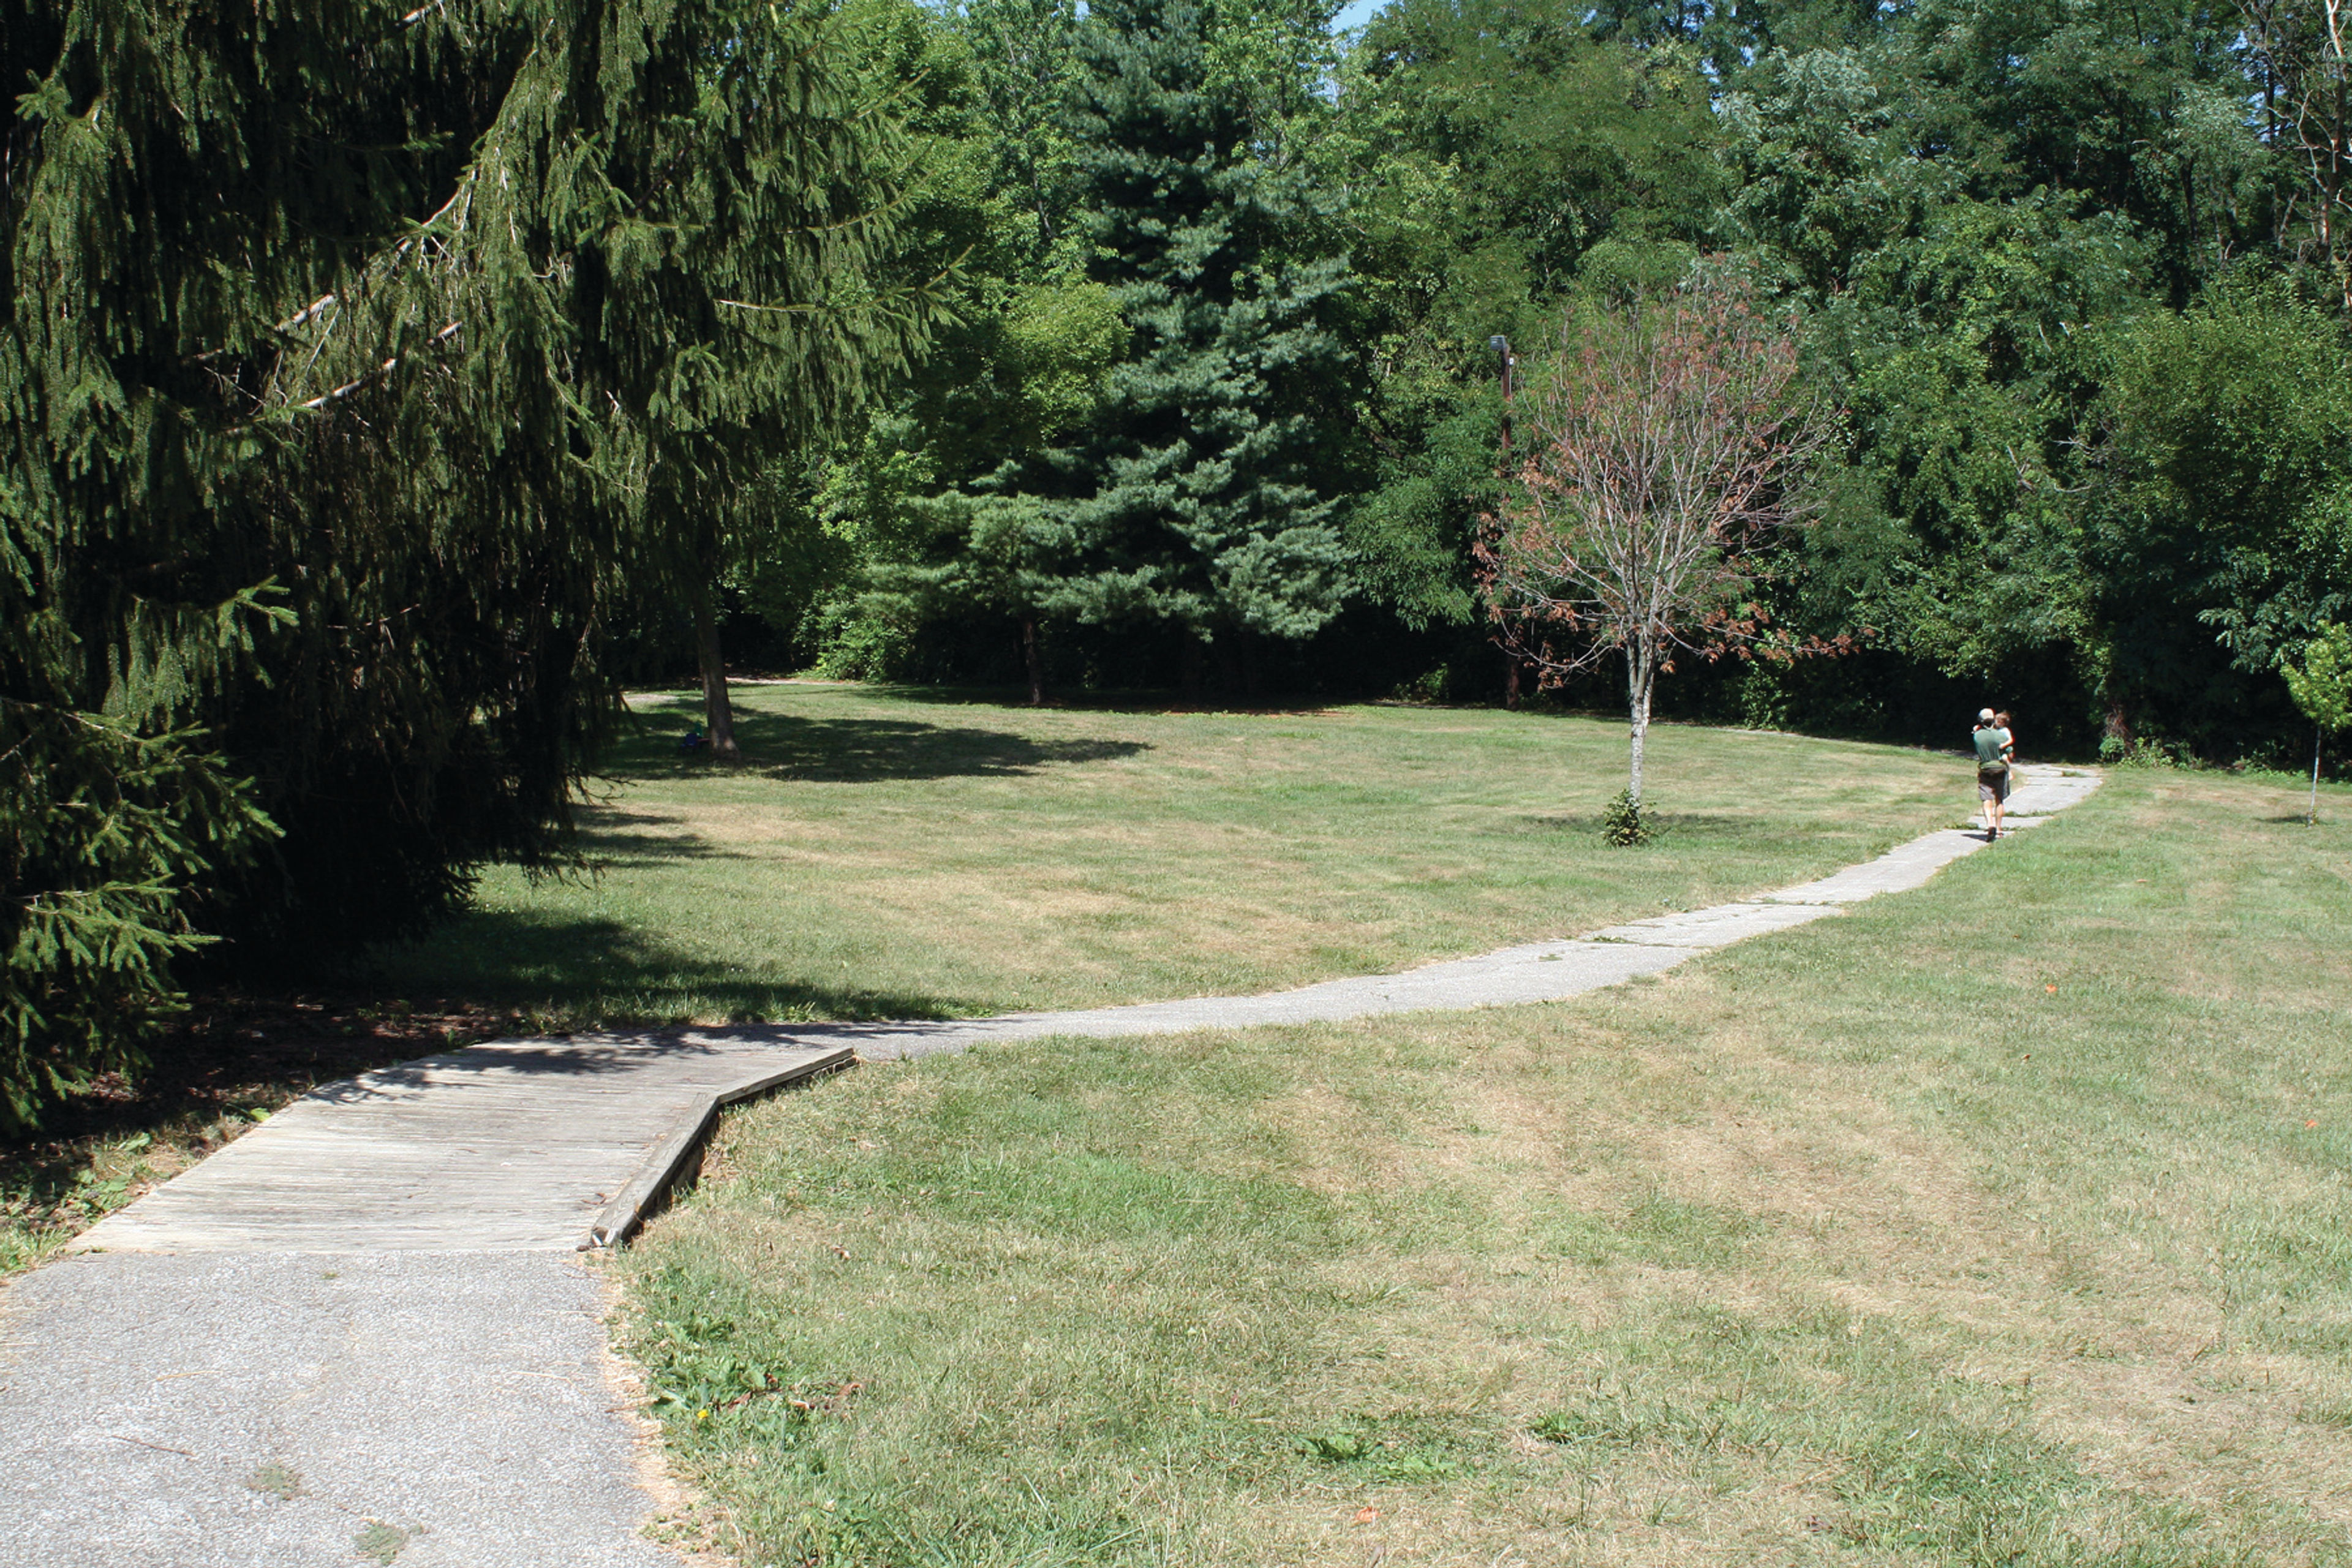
x=1625 y=822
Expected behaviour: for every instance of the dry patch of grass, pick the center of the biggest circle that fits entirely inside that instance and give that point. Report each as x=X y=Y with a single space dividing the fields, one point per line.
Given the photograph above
x=1854 y=1245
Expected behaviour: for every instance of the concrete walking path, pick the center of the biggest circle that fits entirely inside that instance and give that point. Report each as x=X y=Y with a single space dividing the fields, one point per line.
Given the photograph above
x=370 y=1303
x=1534 y=971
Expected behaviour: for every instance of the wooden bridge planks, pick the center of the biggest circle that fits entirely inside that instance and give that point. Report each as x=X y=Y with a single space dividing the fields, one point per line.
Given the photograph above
x=517 y=1145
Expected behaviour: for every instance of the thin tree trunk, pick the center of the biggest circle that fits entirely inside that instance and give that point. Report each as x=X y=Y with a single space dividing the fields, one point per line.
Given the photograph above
x=1510 y=680
x=718 y=715
x=1641 y=673
x=2311 y=815
x=1188 y=665
x=1035 y=661
x=1045 y=219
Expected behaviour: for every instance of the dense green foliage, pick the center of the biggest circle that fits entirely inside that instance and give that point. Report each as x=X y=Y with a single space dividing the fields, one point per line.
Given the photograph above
x=383 y=383
x=1127 y=433
x=2321 y=686
x=1191 y=498
x=2060 y=267
x=363 y=365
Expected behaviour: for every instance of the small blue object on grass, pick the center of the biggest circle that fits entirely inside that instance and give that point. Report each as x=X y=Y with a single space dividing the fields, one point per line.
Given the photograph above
x=692 y=741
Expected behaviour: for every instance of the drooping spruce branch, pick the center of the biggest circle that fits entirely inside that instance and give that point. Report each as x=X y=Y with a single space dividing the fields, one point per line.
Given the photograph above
x=319 y=497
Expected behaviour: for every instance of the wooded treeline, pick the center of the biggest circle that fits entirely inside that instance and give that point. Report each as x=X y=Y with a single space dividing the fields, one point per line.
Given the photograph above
x=385 y=382
x=2076 y=273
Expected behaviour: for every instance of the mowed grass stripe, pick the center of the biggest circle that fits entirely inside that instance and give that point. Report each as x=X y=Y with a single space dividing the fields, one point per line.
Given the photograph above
x=1854 y=1244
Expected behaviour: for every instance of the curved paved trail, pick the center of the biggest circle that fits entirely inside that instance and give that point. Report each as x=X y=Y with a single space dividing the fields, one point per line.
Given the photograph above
x=361 y=1327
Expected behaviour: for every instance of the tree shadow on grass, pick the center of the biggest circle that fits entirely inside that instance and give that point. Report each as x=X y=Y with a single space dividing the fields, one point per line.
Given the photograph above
x=1269 y=705
x=787 y=747
x=611 y=839
x=1680 y=824
x=1702 y=825
x=569 y=971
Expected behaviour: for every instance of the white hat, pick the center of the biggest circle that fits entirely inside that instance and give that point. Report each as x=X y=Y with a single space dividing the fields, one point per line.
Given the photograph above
x=1984 y=715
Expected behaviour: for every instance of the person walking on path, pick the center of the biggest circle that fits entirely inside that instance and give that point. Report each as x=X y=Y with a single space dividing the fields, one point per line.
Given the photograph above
x=1995 y=751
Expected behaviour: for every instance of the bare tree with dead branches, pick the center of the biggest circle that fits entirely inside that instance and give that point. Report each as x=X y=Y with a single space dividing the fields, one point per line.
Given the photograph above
x=2298 y=50
x=1668 y=434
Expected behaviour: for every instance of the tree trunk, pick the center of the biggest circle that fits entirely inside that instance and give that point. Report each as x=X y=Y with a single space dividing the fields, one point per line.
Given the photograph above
x=1044 y=208
x=1188 y=663
x=718 y=716
x=1640 y=674
x=2311 y=815
x=1035 y=660
x=1511 y=681
x=2118 y=725
x=1229 y=665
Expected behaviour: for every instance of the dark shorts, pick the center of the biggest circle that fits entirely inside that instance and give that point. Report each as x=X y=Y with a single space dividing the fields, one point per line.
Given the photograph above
x=1992 y=786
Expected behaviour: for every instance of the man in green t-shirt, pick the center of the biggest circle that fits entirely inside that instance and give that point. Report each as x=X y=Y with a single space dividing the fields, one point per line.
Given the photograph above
x=1995 y=752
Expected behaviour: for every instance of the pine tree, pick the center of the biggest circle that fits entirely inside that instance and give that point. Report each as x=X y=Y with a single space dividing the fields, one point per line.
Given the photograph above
x=361 y=364
x=1197 y=497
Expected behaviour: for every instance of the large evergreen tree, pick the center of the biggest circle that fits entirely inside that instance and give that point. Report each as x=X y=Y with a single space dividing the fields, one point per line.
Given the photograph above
x=361 y=361
x=1200 y=495
x=897 y=532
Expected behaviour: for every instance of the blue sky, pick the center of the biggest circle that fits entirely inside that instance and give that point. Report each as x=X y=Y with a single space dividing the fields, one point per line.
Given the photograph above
x=1355 y=13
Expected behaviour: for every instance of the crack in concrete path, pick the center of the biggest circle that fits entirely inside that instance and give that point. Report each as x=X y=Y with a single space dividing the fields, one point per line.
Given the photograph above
x=365 y=1317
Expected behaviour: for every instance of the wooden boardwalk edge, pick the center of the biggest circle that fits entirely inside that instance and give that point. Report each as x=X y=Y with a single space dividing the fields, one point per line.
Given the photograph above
x=620 y=1218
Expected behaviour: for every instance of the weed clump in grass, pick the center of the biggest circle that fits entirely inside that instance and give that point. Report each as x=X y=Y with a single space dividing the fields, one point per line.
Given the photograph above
x=48 y=1194
x=2146 y=751
x=1625 y=823
x=1397 y=1449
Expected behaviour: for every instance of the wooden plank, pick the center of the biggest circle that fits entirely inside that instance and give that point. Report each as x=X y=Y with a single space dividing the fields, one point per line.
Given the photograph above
x=508 y=1146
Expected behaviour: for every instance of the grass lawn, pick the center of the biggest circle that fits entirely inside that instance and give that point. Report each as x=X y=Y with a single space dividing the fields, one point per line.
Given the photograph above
x=897 y=854
x=2008 y=1221
x=914 y=853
